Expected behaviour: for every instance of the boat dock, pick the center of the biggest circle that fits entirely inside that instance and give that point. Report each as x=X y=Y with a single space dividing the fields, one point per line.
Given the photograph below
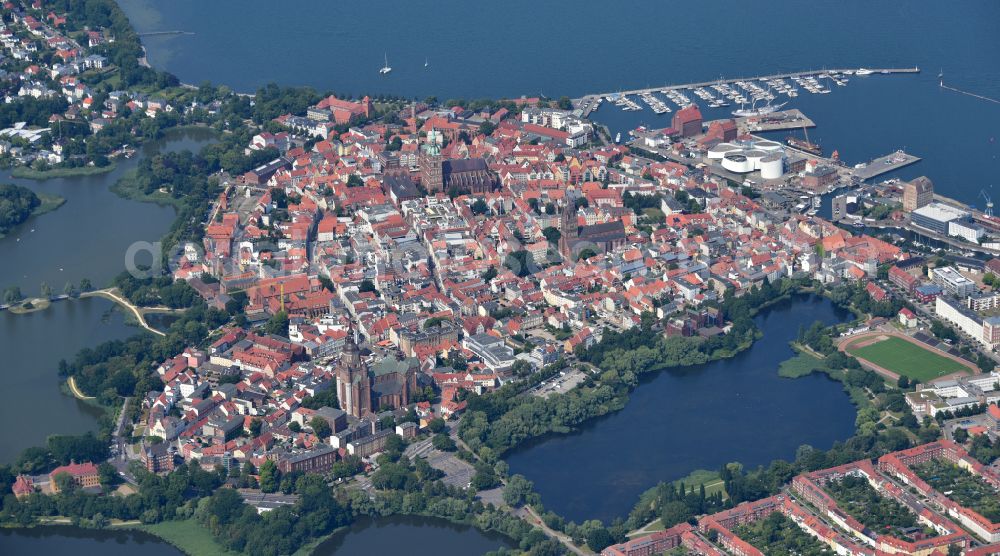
x=589 y=103
x=884 y=165
x=776 y=121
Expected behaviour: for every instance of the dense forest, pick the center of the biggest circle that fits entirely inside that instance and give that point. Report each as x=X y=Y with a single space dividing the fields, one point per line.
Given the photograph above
x=16 y=205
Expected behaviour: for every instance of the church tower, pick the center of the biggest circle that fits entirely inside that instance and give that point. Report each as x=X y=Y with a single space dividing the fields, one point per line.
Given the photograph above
x=354 y=389
x=568 y=229
x=431 y=166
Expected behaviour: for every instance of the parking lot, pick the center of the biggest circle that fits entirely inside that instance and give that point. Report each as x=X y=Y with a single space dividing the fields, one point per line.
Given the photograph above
x=559 y=384
x=457 y=472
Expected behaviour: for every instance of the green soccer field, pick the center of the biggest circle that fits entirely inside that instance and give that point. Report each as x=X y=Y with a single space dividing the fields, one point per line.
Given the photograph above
x=907 y=359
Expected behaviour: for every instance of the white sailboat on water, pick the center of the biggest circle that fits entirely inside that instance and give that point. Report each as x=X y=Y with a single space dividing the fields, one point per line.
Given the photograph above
x=386 y=68
x=426 y=63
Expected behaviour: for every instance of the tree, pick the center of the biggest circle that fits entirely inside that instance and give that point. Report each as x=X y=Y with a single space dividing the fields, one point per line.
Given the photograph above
x=487 y=128
x=366 y=285
x=255 y=426
x=320 y=427
x=490 y=274
x=674 y=512
x=65 y=483
x=485 y=477
x=552 y=234
x=517 y=490
x=436 y=425
x=564 y=103
x=444 y=443
x=598 y=539
x=903 y=382
x=85 y=285
x=269 y=476
x=480 y=207
x=46 y=290
x=277 y=324
x=354 y=181
x=961 y=435
x=520 y=263
x=12 y=295
x=109 y=476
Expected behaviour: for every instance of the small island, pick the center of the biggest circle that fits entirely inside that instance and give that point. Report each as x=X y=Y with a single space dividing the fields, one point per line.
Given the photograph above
x=17 y=204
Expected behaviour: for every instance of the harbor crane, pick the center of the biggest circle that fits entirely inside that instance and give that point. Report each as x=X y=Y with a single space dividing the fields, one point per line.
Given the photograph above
x=989 y=202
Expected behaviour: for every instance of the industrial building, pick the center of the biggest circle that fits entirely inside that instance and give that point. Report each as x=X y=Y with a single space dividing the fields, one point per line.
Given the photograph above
x=967 y=229
x=936 y=216
x=918 y=194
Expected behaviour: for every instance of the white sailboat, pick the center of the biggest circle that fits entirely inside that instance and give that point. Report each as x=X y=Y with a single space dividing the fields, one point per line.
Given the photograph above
x=386 y=68
x=426 y=63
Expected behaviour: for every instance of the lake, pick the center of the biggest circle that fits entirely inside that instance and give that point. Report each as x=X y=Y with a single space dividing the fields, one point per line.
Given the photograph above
x=413 y=536
x=555 y=48
x=87 y=237
x=699 y=417
x=58 y=540
x=32 y=345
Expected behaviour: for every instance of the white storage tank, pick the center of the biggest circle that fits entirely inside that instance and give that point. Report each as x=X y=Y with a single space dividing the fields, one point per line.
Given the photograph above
x=754 y=157
x=772 y=166
x=736 y=162
x=720 y=150
x=769 y=146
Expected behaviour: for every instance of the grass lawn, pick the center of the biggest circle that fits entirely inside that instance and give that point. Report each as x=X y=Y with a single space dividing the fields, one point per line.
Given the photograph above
x=32 y=174
x=187 y=535
x=711 y=479
x=801 y=365
x=907 y=359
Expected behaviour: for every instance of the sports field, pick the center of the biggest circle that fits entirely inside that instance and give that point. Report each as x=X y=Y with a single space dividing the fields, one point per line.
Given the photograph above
x=905 y=358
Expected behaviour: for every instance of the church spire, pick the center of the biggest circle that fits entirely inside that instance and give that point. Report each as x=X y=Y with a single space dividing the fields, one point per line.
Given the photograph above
x=351 y=356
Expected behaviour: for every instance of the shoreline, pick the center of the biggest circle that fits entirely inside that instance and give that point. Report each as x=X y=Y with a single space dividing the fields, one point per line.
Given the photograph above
x=48 y=204
x=26 y=173
x=109 y=293
x=38 y=304
x=71 y=383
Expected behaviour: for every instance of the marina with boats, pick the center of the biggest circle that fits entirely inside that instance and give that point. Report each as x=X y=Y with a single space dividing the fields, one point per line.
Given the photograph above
x=757 y=96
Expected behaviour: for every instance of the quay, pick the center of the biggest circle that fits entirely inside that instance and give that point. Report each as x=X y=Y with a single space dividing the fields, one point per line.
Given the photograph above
x=588 y=103
x=776 y=121
x=884 y=165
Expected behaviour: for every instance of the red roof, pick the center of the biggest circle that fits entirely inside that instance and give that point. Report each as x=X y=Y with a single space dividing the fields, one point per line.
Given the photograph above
x=76 y=469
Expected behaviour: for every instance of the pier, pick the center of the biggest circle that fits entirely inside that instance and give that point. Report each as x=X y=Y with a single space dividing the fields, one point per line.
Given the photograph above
x=587 y=103
x=776 y=121
x=165 y=33
x=967 y=93
x=884 y=165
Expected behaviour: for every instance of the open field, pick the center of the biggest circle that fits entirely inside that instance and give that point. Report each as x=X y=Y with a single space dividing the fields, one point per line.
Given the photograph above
x=903 y=357
x=187 y=535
